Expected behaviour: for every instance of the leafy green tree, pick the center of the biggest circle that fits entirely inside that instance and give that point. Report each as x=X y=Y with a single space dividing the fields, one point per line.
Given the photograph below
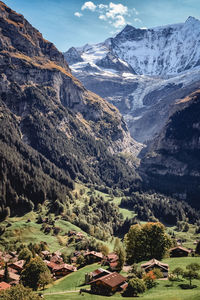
x=192 y=272
x=104 y=249
x=190 y=275
x=44 y=279
x=81 y=261
x=178 y=272
x=31 y=274
x=25 y=254
x=157 y=272
x=146 y=241
x=18 y=292
x=135 y=286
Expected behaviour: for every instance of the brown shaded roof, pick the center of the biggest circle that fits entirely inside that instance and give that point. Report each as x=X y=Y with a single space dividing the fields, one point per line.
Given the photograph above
x=153 y=262
x=51 y=264
x=4 y=286
x=180 y=248
x=111 y=280
x=12 y=275
x=19 y=263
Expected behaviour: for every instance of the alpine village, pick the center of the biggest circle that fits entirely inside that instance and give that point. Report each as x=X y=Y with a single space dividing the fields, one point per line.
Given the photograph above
x=99 y=162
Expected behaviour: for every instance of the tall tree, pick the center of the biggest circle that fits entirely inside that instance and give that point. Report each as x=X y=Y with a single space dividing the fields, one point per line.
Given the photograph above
x=6 y=276
x=31 y=275
x=146 y=242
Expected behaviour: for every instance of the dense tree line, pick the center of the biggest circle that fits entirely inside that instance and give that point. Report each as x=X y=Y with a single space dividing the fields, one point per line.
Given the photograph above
x=150 y=207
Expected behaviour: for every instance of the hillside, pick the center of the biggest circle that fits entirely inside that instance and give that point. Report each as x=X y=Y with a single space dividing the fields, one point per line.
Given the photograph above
x=171 y=164
x=53 y=130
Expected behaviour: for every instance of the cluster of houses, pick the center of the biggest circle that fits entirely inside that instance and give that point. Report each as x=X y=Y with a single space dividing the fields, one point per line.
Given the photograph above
x=15 y=268
x=102 y=281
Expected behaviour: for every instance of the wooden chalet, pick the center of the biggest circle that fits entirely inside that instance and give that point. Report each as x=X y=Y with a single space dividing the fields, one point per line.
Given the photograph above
x=64 y=270
x=179 y=251
x=95 y=275
x=154 y=263
x=18 y=265
x=4 y=286
x=93 y=256
x=108 y=284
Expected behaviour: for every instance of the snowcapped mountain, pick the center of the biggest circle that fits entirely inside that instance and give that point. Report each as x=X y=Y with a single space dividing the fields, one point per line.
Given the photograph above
x=142 y=72
x=166 y=50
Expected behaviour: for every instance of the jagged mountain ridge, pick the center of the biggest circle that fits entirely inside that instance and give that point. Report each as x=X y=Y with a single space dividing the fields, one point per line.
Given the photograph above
x=156 y=54
x=50 y=121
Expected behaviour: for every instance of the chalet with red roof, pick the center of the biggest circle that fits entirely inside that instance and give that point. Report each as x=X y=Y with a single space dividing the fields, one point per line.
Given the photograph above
x=108 y=284
x=179 y=251
x=153 y=263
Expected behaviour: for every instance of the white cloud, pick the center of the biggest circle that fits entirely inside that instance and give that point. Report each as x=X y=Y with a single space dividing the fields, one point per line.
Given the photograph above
x=89 y=5
x=78 y=14
x=102 y=17
x=112 y=13
x=119 y=22
x=138 y=20
x=103 y=6
x=116 y=9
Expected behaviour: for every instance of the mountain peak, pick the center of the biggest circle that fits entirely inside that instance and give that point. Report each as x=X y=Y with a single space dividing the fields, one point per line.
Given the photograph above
x=192 y=20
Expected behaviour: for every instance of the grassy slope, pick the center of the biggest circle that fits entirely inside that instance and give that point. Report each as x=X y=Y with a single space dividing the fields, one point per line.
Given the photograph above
x=23 y=232
x=164 y=290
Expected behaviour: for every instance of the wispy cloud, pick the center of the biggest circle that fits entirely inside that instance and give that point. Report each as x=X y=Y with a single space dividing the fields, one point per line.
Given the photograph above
x=138 y=20
x=78 y=14
x=89 y=5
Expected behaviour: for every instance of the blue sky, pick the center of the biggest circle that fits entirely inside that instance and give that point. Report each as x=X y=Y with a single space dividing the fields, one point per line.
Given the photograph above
x=69 y=23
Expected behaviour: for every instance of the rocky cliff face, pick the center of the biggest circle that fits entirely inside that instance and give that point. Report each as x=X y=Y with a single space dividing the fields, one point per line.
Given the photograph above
x=142 y=72
x=68 y=131
x=171 y=164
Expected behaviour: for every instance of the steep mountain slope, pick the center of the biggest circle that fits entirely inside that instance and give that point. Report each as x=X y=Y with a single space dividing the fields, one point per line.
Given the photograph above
x=52 y=129
x=139 y=70
x=172 y=164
